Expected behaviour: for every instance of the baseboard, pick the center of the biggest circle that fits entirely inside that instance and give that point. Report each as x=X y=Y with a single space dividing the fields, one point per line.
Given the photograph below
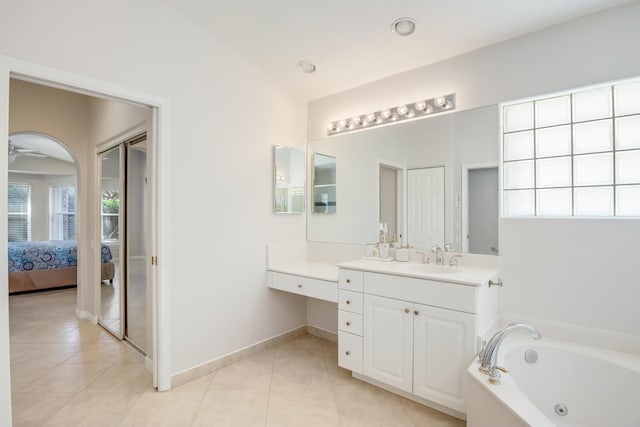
x=215 y=364
x=82 y=314
x=322 y=333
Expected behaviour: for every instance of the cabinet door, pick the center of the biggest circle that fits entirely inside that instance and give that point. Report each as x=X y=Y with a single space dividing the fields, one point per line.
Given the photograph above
x=388 y=341
x=443 y=348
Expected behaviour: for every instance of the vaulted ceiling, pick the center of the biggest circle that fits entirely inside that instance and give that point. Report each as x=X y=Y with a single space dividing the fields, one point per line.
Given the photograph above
x=350 y=41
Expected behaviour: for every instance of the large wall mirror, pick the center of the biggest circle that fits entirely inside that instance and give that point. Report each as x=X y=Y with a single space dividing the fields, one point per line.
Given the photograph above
x=435 y=179
x=288 y=179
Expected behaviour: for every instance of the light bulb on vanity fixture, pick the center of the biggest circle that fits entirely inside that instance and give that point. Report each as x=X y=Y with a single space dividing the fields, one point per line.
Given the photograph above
x=402 y=110
x=417 y=109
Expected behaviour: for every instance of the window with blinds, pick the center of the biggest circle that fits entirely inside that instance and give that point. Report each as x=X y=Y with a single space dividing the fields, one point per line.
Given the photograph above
x=19 y=212
x=62 y=212
x=576 y=154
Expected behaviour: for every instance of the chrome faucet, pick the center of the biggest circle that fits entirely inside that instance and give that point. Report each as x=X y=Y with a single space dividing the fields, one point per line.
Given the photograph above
x=489 y=354
x=453 y=261
x=439 y=257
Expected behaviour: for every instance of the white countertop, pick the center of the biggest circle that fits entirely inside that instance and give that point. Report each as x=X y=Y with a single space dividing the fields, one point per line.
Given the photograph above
x=468 y=275
x=311 y=269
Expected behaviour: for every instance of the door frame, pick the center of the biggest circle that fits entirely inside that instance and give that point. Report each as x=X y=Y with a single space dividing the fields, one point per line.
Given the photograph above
x=36 y=73
x=464 y=195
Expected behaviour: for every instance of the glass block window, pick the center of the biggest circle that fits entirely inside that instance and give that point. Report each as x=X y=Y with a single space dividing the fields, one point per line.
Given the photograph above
x=576 y=154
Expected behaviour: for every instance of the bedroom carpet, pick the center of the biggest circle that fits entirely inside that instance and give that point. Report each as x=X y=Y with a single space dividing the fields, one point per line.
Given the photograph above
x=67 y=372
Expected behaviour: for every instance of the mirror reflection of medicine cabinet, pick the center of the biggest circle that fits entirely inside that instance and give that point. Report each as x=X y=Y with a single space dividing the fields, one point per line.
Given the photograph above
x=324 y=184
x=288 y=180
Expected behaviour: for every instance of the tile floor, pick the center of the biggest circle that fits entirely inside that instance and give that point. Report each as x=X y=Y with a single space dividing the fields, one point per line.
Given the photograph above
x=67 y=372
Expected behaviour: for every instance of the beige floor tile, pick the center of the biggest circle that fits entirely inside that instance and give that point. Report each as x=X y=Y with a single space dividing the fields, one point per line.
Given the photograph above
x=311 y=407
x=49 y=354
x=106 y=352
x=199 y=384
x=68 y=372
x=94 y=409
x=66 y=378
x=299 y=373
x=20 y=350
x=23 y=375
x=164 y=409
x=123 y=377
x=231 y=408
x=361 y=403
x=244 y=375
x=34 y=409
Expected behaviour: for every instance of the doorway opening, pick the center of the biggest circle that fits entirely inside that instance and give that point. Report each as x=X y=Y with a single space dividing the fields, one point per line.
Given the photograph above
x=480 y=208
x=391 y=199
x=41 y=217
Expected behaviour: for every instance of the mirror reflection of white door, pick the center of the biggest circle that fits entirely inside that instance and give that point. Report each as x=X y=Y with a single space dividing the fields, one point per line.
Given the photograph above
x=425 y=216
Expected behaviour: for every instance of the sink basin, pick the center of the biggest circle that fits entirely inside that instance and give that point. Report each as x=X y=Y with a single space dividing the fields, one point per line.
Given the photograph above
x=435 y=269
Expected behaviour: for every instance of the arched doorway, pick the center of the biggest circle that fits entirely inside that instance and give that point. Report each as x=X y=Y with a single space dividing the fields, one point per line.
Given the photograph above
x=42 y=213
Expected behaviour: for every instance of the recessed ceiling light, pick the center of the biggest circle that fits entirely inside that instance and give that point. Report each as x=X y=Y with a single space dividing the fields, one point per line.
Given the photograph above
x=403 y=26
x=307 y=67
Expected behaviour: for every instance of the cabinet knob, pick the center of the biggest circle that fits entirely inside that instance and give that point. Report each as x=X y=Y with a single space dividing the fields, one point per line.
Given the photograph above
x=348 y=280
x=347 y=352
x=406 y=310
x=348 y=323
x=299 y=285
x=416 y=312
x=348 y=301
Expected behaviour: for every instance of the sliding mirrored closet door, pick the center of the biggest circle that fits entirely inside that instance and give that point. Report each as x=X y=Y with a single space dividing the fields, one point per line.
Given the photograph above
x=111 y=304
x=124 y=223
x=136 y=244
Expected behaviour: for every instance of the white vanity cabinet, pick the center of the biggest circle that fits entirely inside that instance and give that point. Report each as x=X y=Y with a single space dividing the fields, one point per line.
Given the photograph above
x=418 y=349
x=418 y=335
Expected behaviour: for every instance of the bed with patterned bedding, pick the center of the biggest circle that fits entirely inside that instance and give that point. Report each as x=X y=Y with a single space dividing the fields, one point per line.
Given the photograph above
x=49 y=264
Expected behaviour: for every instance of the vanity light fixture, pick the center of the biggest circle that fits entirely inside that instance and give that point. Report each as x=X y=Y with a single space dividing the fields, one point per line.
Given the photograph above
x=417 y=109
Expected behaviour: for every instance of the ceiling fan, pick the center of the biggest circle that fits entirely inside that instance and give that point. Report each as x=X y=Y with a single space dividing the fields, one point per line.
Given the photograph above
x=15 y=152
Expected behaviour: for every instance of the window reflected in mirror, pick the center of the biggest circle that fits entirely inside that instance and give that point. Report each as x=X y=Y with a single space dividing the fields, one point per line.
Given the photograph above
x=289 y=179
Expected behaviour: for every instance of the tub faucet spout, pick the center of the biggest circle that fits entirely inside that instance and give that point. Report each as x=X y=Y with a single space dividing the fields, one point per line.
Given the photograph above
x=489 y=355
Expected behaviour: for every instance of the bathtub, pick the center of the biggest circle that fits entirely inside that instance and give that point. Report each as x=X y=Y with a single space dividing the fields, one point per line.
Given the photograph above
x=568 y=385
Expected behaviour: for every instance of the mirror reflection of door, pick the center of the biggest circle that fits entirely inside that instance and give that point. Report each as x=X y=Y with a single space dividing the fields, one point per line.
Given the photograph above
x=425 y=211
x=483 y=211
x=123 y=308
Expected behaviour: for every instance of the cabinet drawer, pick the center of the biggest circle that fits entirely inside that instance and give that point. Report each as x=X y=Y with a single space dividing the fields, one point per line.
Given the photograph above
x=350 y=301
x=350 y=280
x=423 y=291
x=315 y=288
x=350 y=352
x=350 y=322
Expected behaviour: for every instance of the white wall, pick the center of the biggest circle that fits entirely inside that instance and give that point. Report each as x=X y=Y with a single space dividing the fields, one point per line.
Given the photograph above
x=225 y=118
x=577 y=271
